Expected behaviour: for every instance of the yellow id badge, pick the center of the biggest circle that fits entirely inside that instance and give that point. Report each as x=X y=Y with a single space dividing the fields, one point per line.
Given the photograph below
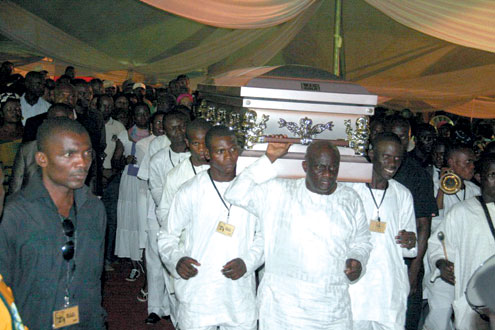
x=378 y=226
x=65 y=317
x=225 y=229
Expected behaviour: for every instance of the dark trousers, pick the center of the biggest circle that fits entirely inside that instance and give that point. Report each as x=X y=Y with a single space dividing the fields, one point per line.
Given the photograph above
x=110 y=199
x=415 y=301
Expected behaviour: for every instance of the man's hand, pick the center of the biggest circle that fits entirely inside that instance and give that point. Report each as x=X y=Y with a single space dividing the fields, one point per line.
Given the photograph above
x=130 y=160
x=276 y=150
x=446 y=271
x=406 y=239
x=353 y=269
x=185 y=267
x=234 y=269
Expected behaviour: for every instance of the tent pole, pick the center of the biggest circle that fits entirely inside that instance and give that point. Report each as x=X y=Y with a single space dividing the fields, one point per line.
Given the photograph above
x=337 y=38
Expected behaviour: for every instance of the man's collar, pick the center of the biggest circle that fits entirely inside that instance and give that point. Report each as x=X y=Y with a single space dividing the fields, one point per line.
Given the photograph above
x=36 y=190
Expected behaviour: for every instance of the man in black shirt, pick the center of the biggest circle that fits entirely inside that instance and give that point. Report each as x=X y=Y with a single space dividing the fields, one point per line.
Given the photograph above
x=412 y=175
x=95 y=125
x=52 y=233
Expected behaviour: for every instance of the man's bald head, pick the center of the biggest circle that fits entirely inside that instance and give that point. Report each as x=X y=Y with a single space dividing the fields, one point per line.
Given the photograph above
x=316 y=148
x=321 y=165
x=65 y=93
x=461 y=160
x=60 y=110
x=52 y=127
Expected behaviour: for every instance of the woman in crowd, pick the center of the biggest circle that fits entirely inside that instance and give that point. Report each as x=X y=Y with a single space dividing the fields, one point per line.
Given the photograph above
x=132 y=191
x=122 y=110
x=11 y=131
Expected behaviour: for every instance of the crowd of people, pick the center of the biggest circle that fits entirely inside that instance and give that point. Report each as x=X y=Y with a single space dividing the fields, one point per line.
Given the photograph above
x=97 y=173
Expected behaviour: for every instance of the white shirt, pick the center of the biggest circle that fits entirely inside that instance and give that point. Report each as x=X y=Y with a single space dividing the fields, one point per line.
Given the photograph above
x=29 y=110
x=160 y=164
x=470 y=190
x=381 y=294
x=112 y=130
x=174 y=180
x=449 y=201
x=308 y=238
x=469 y=242
x=209 y=298
x=156 y=145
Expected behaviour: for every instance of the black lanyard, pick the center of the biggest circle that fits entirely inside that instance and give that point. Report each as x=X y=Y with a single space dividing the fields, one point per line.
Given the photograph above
x=374 y=201
x=192 y=165
x=464 y=198
x=487 y=215
x=170 y=157
x=219 y=195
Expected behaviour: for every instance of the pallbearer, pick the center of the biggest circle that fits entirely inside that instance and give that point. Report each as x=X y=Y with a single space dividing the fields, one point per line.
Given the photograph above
x=316 y=239
x=379 y=299
x=214 y=267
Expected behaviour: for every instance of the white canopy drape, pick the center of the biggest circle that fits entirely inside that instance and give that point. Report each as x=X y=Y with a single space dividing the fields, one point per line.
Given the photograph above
x=240 y=14
x=470 y=23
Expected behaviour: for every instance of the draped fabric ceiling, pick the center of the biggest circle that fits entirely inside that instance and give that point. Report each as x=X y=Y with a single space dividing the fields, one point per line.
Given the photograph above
x=424 y=55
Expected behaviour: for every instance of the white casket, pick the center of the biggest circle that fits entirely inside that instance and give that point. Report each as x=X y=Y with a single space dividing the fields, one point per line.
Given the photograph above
x=288 y=94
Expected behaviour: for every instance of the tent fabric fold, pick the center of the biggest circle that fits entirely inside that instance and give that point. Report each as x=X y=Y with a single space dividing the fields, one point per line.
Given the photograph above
x=467 y=23
x=20 y=25
x=407 y=64
x=243 y=14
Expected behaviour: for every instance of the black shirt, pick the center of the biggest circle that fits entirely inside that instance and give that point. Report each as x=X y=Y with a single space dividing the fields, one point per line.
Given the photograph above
x=31 y=261
x=420 y=183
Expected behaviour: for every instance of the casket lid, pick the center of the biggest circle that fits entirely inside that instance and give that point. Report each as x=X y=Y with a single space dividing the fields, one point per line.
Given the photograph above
x=288 y=82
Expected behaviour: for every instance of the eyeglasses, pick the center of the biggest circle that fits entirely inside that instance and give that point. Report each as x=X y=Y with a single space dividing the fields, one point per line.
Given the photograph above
x=69 y=247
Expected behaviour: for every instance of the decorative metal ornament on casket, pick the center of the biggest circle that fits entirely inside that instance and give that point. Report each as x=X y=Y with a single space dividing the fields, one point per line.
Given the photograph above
x=308 y=103
x=358 y=138
x=306 y=131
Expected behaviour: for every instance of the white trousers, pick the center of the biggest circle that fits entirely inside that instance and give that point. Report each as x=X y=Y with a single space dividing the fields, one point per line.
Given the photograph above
x=238 y=326
x=440 y=298
x=157 y=298
x=373 y=325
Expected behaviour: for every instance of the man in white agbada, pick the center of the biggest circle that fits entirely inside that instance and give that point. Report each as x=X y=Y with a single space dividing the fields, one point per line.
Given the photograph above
x=379 y=298
x=142 y=149
x=153 y=288
x=316 y=239
x=167 y=158
x=468 y=242
x=173 y=125
x=214 y=267
x=187 y=169
x=440 y=294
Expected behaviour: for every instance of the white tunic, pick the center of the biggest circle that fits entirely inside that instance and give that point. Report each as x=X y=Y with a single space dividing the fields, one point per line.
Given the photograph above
x=210 y=298
x=449 y=201
x=156 y=145
x=308 y=238
x=160 y=164
x=439 y=289
x=174 y=180
x=381 y=294
x=469 y=242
